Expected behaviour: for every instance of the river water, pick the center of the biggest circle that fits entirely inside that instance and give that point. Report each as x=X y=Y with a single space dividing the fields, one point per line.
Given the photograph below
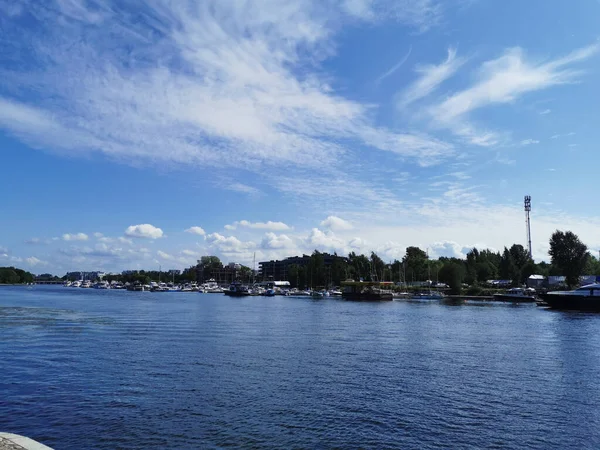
x=92 y=369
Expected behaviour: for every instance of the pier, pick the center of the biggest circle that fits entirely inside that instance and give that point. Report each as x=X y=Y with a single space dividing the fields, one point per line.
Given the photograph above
x=9 y=441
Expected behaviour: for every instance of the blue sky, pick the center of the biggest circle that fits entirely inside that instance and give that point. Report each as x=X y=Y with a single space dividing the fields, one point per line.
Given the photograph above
x=138 y=134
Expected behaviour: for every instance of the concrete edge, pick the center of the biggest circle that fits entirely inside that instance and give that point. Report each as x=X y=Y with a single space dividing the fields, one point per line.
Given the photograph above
x=25 y=442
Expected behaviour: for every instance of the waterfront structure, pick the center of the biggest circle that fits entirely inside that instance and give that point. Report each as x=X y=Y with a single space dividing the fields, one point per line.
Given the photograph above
x=528 y=223
x=279 y=269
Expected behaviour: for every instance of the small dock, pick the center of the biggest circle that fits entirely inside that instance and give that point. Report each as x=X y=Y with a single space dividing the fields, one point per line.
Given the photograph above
x=9 y=441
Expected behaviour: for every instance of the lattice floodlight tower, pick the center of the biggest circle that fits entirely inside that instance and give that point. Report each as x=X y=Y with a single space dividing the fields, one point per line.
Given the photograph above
x=528 y=222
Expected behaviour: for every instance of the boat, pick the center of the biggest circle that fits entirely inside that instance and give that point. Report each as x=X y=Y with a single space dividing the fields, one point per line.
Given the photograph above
x=102 y=285
x=67 y=284
x=585 y=298
x=211 y=287
x=76 y=284
x=517 y=295
x=335 y=293
x=366 y=291
x=318 y=294
x=269 y=293
x=237 y=289
x=428 y=295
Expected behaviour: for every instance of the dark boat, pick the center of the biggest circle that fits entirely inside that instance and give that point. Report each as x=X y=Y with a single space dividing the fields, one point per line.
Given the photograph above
x=585 y=298
x=366 y=291
x=237 y=289
x=517 y=295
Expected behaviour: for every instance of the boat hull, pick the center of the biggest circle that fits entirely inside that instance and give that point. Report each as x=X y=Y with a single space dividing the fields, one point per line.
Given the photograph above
x=514 y=298
x=367 y=296
x=236 y=294
x=572 y=302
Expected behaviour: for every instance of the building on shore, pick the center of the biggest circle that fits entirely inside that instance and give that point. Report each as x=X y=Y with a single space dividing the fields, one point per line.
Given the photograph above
x=279 y=269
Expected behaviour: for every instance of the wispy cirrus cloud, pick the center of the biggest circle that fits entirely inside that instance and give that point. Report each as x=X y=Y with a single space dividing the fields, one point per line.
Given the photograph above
x=221 y=84
x=504 y=80
x=525 y=142
x=431 y=77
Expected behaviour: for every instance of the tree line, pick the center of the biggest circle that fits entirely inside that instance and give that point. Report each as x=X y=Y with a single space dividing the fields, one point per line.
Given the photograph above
x=569 y=258
x=12 y=275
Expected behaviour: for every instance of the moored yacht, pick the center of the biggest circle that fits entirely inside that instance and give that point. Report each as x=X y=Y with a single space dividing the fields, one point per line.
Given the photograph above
x=517 y=295
x=585 y=298
x=237 y=289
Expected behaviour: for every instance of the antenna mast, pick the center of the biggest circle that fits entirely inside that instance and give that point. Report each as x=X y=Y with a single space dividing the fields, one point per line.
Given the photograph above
x=528 y=222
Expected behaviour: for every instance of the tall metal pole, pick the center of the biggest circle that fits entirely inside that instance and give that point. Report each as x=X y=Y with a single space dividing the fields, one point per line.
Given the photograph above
x=528 y=222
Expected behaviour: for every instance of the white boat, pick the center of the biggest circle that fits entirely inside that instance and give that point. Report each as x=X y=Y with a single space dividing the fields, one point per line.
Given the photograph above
x=67 y=284
x=86 y=284
x=212 y=287
x=431 y=295
x=75 y=284
x=103 y=285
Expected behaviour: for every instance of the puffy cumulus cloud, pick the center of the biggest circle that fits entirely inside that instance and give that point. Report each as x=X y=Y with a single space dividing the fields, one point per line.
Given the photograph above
x=33 y=261
x=98 y=235
x=273 y=241
x=144 y=230
x=449 y=249
x=75 y=237
x=326 y=240
x=228 y=244
x=271 y=226
x=356 y=243
x=335 y=223
x=199 y=231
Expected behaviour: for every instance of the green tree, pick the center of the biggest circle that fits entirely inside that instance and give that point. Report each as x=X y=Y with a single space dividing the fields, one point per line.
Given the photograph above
x=377 y=266
x=415 y=261
x=452 y=273
x=569 y=255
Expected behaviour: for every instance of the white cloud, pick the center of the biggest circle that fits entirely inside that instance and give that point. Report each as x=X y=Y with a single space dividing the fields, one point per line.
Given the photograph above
x=165 y=256
x=335 y=223
x=144 y=231
x=504 y=80
x=529 y=142
x=431 y=78
x=189 y=253
x=75 y=237
x=273 y=241
x=449 y=249
x=33 y=261
x=556 y=136
x=269 y=225
x=98 y=235
x=545 y=111
x=421 y=14
x=196 y=230
x=263 y=100
x=242 y=188
x=229 y=244
x=325 y=240
x=393 y=69
x=34 y=241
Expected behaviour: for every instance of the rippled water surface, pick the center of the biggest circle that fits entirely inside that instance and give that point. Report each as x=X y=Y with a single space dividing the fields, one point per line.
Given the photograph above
x=83 y=369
